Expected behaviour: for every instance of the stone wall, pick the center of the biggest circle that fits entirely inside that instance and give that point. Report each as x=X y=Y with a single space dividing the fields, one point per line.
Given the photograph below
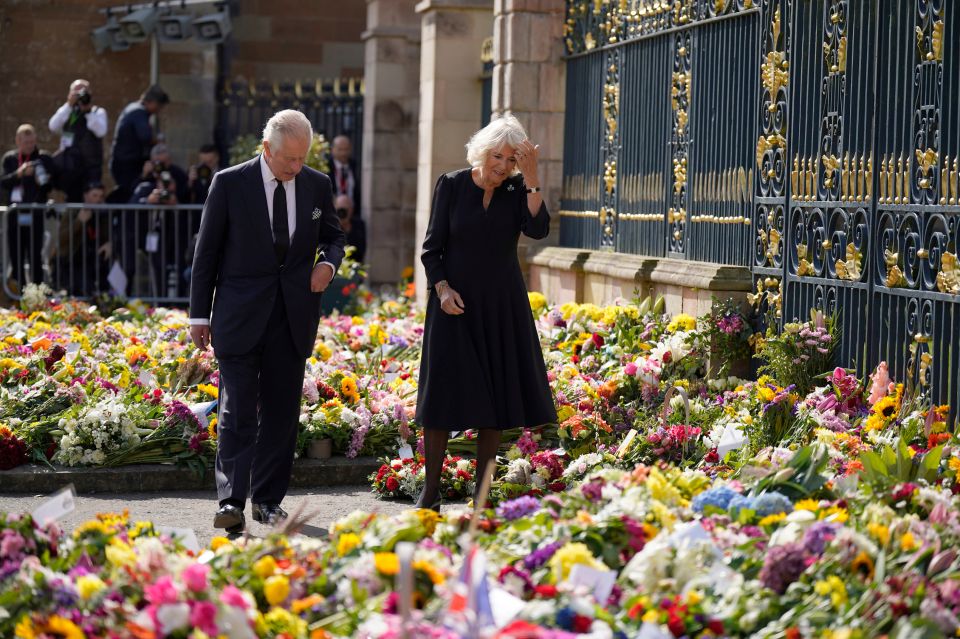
x=391 y=108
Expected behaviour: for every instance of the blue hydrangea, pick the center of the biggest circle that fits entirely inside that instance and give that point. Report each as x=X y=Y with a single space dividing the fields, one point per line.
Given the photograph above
x=718 y=497
x=772 y=504
x=740 y=502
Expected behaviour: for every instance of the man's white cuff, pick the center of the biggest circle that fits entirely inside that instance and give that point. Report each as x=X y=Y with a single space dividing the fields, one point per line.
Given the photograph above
x=199 y=321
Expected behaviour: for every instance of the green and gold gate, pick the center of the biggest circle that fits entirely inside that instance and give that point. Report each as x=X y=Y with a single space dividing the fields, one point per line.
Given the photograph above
x=815 y=141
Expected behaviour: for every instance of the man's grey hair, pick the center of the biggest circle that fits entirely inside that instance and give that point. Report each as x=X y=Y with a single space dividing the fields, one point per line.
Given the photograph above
x=504 y=131
x=288 y=123
x=159 y=149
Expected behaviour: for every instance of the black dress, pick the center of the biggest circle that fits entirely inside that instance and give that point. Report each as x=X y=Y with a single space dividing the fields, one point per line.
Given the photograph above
x=484 y=368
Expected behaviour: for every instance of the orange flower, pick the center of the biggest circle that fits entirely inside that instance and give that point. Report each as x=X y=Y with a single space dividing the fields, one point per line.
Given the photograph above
x=607 y=389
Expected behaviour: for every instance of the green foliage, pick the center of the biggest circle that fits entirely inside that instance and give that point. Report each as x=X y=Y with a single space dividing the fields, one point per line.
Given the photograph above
x=247 y=146
x=895 y=466
x=800 y=353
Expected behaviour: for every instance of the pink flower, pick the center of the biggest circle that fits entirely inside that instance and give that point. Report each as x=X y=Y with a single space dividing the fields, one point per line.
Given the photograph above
x=630 y=369
x=163 y=591
x=233 y=596
x=203 y=615
x=194 y=577
x=880 y=384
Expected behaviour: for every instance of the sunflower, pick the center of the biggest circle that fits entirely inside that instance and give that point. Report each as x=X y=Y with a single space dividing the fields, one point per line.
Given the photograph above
x=862 y=565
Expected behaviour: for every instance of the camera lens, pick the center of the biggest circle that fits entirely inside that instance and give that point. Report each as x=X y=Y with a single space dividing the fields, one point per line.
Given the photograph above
x=84 y=97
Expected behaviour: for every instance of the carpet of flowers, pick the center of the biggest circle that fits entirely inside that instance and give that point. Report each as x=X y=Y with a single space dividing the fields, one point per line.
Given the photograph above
x=806 y=503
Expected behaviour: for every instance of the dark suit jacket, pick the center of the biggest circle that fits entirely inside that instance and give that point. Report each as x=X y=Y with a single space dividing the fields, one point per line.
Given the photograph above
x=235 y=257
x=355 y=195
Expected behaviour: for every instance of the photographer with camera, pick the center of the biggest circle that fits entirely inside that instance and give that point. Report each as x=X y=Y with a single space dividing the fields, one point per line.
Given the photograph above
x=81 y=125
x=162 y=234
x=200 y=175
x=25 y=179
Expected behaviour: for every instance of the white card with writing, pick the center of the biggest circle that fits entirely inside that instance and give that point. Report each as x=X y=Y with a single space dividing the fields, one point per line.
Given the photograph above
x=600 y=582
x=56 y=506
x=505 y=606
x=405 y=452
x=186 y=536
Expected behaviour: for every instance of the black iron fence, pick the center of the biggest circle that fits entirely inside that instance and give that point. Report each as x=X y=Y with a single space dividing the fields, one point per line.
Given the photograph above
x=815 y=141
x=334 y=107
x=127 y=250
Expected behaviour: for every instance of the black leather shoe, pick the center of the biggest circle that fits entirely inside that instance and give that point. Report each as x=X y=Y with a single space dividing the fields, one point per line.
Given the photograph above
x=231 y=518
x=269 y=514
x=434 y=506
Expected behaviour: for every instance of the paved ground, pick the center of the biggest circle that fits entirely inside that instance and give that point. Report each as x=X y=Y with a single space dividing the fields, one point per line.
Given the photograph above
x=195 y=509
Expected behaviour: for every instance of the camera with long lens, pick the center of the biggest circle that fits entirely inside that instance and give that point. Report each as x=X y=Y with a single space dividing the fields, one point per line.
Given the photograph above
x=84 y=97
x=204 y=173
x=167 y=180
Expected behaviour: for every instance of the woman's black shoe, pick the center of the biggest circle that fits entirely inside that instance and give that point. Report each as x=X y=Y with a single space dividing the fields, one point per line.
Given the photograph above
x=435 y=506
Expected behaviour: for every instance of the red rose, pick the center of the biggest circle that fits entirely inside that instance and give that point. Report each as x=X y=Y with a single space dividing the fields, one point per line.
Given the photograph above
x=676 y=626
x=546 y=591
x=581 y=624
x=597 y=340
x=392 y=484
x=715 y=626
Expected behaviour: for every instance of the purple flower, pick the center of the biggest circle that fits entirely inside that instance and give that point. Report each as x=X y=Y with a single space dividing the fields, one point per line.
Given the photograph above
x=526 y=444
x=782 y=566
x=541 y=556
x=592 y=490
x=519 y=507
x=817 y=537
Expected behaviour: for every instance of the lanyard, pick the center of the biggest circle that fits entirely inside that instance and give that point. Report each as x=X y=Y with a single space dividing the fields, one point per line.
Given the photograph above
x=74 y=115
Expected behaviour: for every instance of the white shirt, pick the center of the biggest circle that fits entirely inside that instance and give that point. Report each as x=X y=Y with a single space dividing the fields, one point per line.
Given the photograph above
x=269 y=187
x=96 y=121
x=344 y=169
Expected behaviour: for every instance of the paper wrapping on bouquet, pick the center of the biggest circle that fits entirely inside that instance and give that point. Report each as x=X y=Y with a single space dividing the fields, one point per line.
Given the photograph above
x=652 y=631
x=731 y=438
x=186 y=536
x=599 y=582
x=203 y=411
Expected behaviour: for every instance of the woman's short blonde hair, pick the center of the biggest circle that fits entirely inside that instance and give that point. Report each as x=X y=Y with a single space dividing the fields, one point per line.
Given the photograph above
x=504 y=131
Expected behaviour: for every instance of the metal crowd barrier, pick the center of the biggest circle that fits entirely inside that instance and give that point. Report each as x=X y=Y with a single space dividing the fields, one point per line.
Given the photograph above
x=141 y=251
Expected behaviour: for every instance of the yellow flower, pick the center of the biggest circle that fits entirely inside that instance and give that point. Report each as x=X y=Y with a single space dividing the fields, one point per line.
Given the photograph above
x=276 y=589
x=219 y=542
x=265 y=566
x=833 y=587
x=835 y=514
x=7 y=362
x=766 y=394
x=862 y=565
x=583 y=517
x=65 y=628
x=908 y=542
x=212 y=428
x=24 y=629
x=568 y=309
x=209 y=389
x=324 y=351
x=538 y=301
x=120 y=554
x=879 y=532
x=356 y=320
x=435 y=576
x=569 y=556
x=682 y=321
x=89 y=585
x=92 y=526
x=954 y=464
x=386 y=563
x=348 y=386
x=428 y=519
x=807 y=504
x=770 y=520
x=347 y=542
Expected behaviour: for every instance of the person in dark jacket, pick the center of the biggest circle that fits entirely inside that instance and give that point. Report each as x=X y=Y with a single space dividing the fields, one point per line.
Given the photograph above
x=26 y=180
x=132 y=141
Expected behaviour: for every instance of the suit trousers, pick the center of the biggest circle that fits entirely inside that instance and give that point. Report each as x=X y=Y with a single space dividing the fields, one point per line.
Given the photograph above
x=259 y=415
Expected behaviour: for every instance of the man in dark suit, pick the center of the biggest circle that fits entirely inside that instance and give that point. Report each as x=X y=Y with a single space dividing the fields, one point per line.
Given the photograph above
x=343 y=171
x=269 y=244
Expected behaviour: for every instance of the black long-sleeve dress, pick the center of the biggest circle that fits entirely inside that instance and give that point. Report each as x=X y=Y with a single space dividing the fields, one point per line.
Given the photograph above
x=484 y=368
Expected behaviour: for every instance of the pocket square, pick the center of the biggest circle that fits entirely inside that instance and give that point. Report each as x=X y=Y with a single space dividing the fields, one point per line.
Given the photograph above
x=316 y=214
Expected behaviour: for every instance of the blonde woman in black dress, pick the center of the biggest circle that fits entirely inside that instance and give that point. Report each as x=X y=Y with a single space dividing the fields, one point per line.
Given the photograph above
x=482 y=367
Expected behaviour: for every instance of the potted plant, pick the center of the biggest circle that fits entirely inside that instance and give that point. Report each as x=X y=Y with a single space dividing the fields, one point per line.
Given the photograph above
x=314 y=440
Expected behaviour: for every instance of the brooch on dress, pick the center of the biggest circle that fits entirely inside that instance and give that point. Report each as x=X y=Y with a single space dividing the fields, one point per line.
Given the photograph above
x=509 y=187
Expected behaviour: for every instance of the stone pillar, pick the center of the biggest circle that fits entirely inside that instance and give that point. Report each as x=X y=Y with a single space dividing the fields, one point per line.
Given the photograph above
x=390 y=106
x=528 y=82
x=452 y=34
